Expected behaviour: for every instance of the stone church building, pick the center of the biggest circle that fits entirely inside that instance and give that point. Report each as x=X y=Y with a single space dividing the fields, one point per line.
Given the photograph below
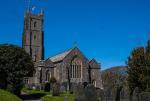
x=71 y=63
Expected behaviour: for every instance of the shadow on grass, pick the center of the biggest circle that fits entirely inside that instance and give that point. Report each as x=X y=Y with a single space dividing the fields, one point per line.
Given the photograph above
x=35 y=96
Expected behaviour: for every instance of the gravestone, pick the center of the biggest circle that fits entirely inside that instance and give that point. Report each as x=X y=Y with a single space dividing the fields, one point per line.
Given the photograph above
x=56 y=89
x=72 y=87
x=90 y=93
x=109 y=93
x=124 y=94
x=135 y=96
x=79 y=93
x=62 y=88
x=99 y=92
x=66 y=98
x=85 y=94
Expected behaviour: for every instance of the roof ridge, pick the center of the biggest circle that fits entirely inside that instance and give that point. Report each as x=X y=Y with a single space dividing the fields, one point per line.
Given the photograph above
x=61 y=52
x=60 y=56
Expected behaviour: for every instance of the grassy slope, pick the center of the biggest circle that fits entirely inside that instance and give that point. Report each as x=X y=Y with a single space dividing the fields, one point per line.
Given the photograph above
x=7 y=96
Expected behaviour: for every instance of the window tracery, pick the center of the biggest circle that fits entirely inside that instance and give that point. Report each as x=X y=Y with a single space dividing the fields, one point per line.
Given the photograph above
x=76 y=66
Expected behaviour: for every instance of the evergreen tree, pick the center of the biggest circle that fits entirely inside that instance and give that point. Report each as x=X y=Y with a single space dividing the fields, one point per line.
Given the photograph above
x=146 y=79
x=139 y=69
x=135 y=68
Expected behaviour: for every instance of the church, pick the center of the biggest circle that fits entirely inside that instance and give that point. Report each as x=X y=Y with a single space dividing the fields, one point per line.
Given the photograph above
x=72 y=63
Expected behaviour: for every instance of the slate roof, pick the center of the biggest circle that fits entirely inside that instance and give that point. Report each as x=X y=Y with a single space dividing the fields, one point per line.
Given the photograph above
x=60 y=56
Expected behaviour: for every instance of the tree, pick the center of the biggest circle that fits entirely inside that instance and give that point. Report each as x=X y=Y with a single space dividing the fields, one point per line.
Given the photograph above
x=139 y=69
x=146 y=78
x=136 y=64
x=15 y=64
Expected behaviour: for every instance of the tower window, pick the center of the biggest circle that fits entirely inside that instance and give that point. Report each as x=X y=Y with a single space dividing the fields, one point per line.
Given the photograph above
x=35 y=24
x=26 y=25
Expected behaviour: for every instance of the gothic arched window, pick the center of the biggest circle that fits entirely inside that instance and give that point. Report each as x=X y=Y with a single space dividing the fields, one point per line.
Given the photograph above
x=76 y=66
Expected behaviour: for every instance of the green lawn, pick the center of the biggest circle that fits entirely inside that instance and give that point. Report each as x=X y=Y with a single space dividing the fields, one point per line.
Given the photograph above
x=48 y=96
x=7 y=96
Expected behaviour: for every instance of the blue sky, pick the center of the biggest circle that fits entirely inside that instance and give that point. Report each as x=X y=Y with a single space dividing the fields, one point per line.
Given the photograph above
x=106 y=30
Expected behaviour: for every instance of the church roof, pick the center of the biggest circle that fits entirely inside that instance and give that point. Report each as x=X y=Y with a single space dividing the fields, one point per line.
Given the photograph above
x=60 y=56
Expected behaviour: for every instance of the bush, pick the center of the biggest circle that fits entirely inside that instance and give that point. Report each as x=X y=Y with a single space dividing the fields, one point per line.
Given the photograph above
x=47 y=87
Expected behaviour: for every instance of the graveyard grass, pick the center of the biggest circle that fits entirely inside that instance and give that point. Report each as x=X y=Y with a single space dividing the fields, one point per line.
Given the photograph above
x=48 y=95
x=7 y=96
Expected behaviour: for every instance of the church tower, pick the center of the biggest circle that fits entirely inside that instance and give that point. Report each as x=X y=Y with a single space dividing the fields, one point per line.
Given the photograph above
x=33 y=35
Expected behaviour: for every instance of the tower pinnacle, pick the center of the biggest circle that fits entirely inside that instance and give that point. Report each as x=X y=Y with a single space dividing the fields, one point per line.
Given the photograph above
x=29 y=6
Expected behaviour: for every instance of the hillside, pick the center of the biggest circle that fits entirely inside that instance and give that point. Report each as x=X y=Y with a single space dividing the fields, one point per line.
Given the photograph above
x=7 y=96
x=121 y=69
x=114 y=75
x=114 y=78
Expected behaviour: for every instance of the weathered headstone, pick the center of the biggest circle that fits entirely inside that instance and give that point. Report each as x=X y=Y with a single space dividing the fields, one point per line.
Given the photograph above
x=85 y=94
x=135 y=96
x=79 y=93
x=118 y=90
x=124 y=94
x=56 y=89
x=109 y=93
x=62 y=88
x=66 y=98
x=90 y=93
x=72 y=88
x=100 y=93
